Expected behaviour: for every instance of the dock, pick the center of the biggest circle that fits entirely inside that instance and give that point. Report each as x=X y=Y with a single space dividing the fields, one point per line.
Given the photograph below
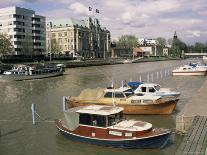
x=195 y=141
x=192 y=120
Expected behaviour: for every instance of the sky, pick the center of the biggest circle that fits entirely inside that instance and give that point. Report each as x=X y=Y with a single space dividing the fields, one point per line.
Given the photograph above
x=143 y=18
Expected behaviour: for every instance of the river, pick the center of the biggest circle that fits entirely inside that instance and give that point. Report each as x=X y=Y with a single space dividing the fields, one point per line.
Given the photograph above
x=19 y=136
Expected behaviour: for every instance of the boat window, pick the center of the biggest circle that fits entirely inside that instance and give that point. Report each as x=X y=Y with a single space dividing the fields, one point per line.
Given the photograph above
x=85 y=119
x=143 y=89
x=136 y=101
x=128 y=92
x=151 y=90
x=115 y=118
x=93 y=120
x=157 y=87
x=108 y=95
x=119 y=95
x=147 y=101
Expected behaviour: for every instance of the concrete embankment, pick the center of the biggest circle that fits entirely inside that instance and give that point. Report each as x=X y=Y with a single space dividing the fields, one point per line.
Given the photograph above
x=197 y=106
x=72 y=64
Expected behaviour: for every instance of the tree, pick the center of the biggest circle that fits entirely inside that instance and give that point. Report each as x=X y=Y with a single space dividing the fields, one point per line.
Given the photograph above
x=6 y=47
x=199 y=47
x=55 y=47
x=177 y=47
x=161 y=41
x=127 y=41
x=170 y=41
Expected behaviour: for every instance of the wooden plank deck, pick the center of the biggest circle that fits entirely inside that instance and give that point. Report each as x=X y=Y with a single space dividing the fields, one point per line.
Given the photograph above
x=195 y=141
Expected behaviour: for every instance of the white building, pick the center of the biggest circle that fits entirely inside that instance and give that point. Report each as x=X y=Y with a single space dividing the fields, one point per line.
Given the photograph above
x=25 y=29
x=143 y=41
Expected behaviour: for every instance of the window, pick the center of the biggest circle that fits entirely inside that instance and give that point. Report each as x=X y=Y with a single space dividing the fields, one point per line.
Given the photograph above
x=151 y=90
x=53 y=35
x=60 y=34
x=119 y=95
x=84 y=119
x=93 y=120
x=108 y=95
x=128 y=92
x=143 y=89
x=157 y=87
x=65 y=33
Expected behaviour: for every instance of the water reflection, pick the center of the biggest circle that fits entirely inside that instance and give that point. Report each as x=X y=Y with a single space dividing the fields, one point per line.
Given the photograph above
x=17 y=97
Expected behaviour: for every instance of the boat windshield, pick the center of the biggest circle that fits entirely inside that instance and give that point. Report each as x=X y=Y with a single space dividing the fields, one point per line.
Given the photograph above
x=157 y=87
x=115 y=118
x=128 y=92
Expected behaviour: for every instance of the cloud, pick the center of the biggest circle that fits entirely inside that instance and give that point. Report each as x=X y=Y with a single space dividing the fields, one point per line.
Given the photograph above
x=80 y=9
x=193 y=33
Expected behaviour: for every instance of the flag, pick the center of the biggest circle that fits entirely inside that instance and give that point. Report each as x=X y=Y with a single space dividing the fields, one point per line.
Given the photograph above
x=97 y=11
x=90 y=8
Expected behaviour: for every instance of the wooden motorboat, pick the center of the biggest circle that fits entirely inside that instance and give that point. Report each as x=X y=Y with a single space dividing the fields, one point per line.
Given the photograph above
x=189 y=70
x=104 y=126
x=124 y=97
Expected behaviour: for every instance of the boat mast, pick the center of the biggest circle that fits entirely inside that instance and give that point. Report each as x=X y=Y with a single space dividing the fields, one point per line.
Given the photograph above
x=113 y=95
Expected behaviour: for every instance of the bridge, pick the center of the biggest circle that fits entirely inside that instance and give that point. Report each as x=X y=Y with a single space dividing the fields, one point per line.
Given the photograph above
x=195 y=54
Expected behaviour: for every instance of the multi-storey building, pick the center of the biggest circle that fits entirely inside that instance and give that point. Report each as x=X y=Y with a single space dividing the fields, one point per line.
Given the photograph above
x=84 y=38
x=25 y=29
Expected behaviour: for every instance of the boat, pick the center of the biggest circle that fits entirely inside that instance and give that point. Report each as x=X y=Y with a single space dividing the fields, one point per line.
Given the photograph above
x=27 y=72
x=152 y=89
x=124 y=97
x=204 y=59
x=189 y=70
x=127 y=61
x=105 y=126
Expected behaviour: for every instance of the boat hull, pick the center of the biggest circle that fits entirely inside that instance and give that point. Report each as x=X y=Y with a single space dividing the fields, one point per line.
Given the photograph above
x=156 y=141
x=196 y=73
x=28 y=77
x=161 y=108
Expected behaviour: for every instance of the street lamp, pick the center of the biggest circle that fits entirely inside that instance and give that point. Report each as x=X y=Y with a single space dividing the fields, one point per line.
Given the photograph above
x=50 y=41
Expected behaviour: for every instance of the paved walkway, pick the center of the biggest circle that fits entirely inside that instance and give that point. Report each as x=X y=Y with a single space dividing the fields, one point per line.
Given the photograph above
x=197 y=106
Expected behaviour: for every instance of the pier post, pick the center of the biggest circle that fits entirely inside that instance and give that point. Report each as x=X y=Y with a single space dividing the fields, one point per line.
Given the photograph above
x=157 y=75
x=148 y=77
x=152 y=78
x=122 y=83
x=64 y=104
x=33 y=113
x=161 y=74
x=165 y=73
x=140 y=78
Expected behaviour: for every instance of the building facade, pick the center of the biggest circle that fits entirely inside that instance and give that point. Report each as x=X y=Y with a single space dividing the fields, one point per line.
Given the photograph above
x=84 y=38
x=25 y=29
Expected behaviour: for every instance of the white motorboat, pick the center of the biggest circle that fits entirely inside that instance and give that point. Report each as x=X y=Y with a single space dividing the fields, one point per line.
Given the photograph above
x=152 y=89
x=189 y=70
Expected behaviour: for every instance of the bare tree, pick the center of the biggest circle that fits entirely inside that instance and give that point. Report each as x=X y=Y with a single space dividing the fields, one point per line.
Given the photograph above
x=6 y=47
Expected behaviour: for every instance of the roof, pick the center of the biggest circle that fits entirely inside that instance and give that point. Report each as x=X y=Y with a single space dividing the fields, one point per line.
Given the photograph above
x=137 y=50
x=120 y=89
x=100 y=110
x=135 y=84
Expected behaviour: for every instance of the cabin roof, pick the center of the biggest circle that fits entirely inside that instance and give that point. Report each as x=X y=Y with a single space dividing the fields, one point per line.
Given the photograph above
x=149 y=84
x=100 y=110
x=120 y=89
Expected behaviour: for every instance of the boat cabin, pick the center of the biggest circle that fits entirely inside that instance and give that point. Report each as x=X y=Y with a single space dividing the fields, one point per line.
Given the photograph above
x=147 y=88
x=99 y=117
x=122 y=92
x=95 y=115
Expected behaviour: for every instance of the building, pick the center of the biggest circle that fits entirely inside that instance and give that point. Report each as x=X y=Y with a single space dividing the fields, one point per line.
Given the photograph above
x=86 y=38
x=142 y=41
x=25 y=29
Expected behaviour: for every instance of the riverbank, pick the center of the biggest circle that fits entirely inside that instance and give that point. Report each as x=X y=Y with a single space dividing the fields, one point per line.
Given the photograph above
x=186 y=122
x=100 y=62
